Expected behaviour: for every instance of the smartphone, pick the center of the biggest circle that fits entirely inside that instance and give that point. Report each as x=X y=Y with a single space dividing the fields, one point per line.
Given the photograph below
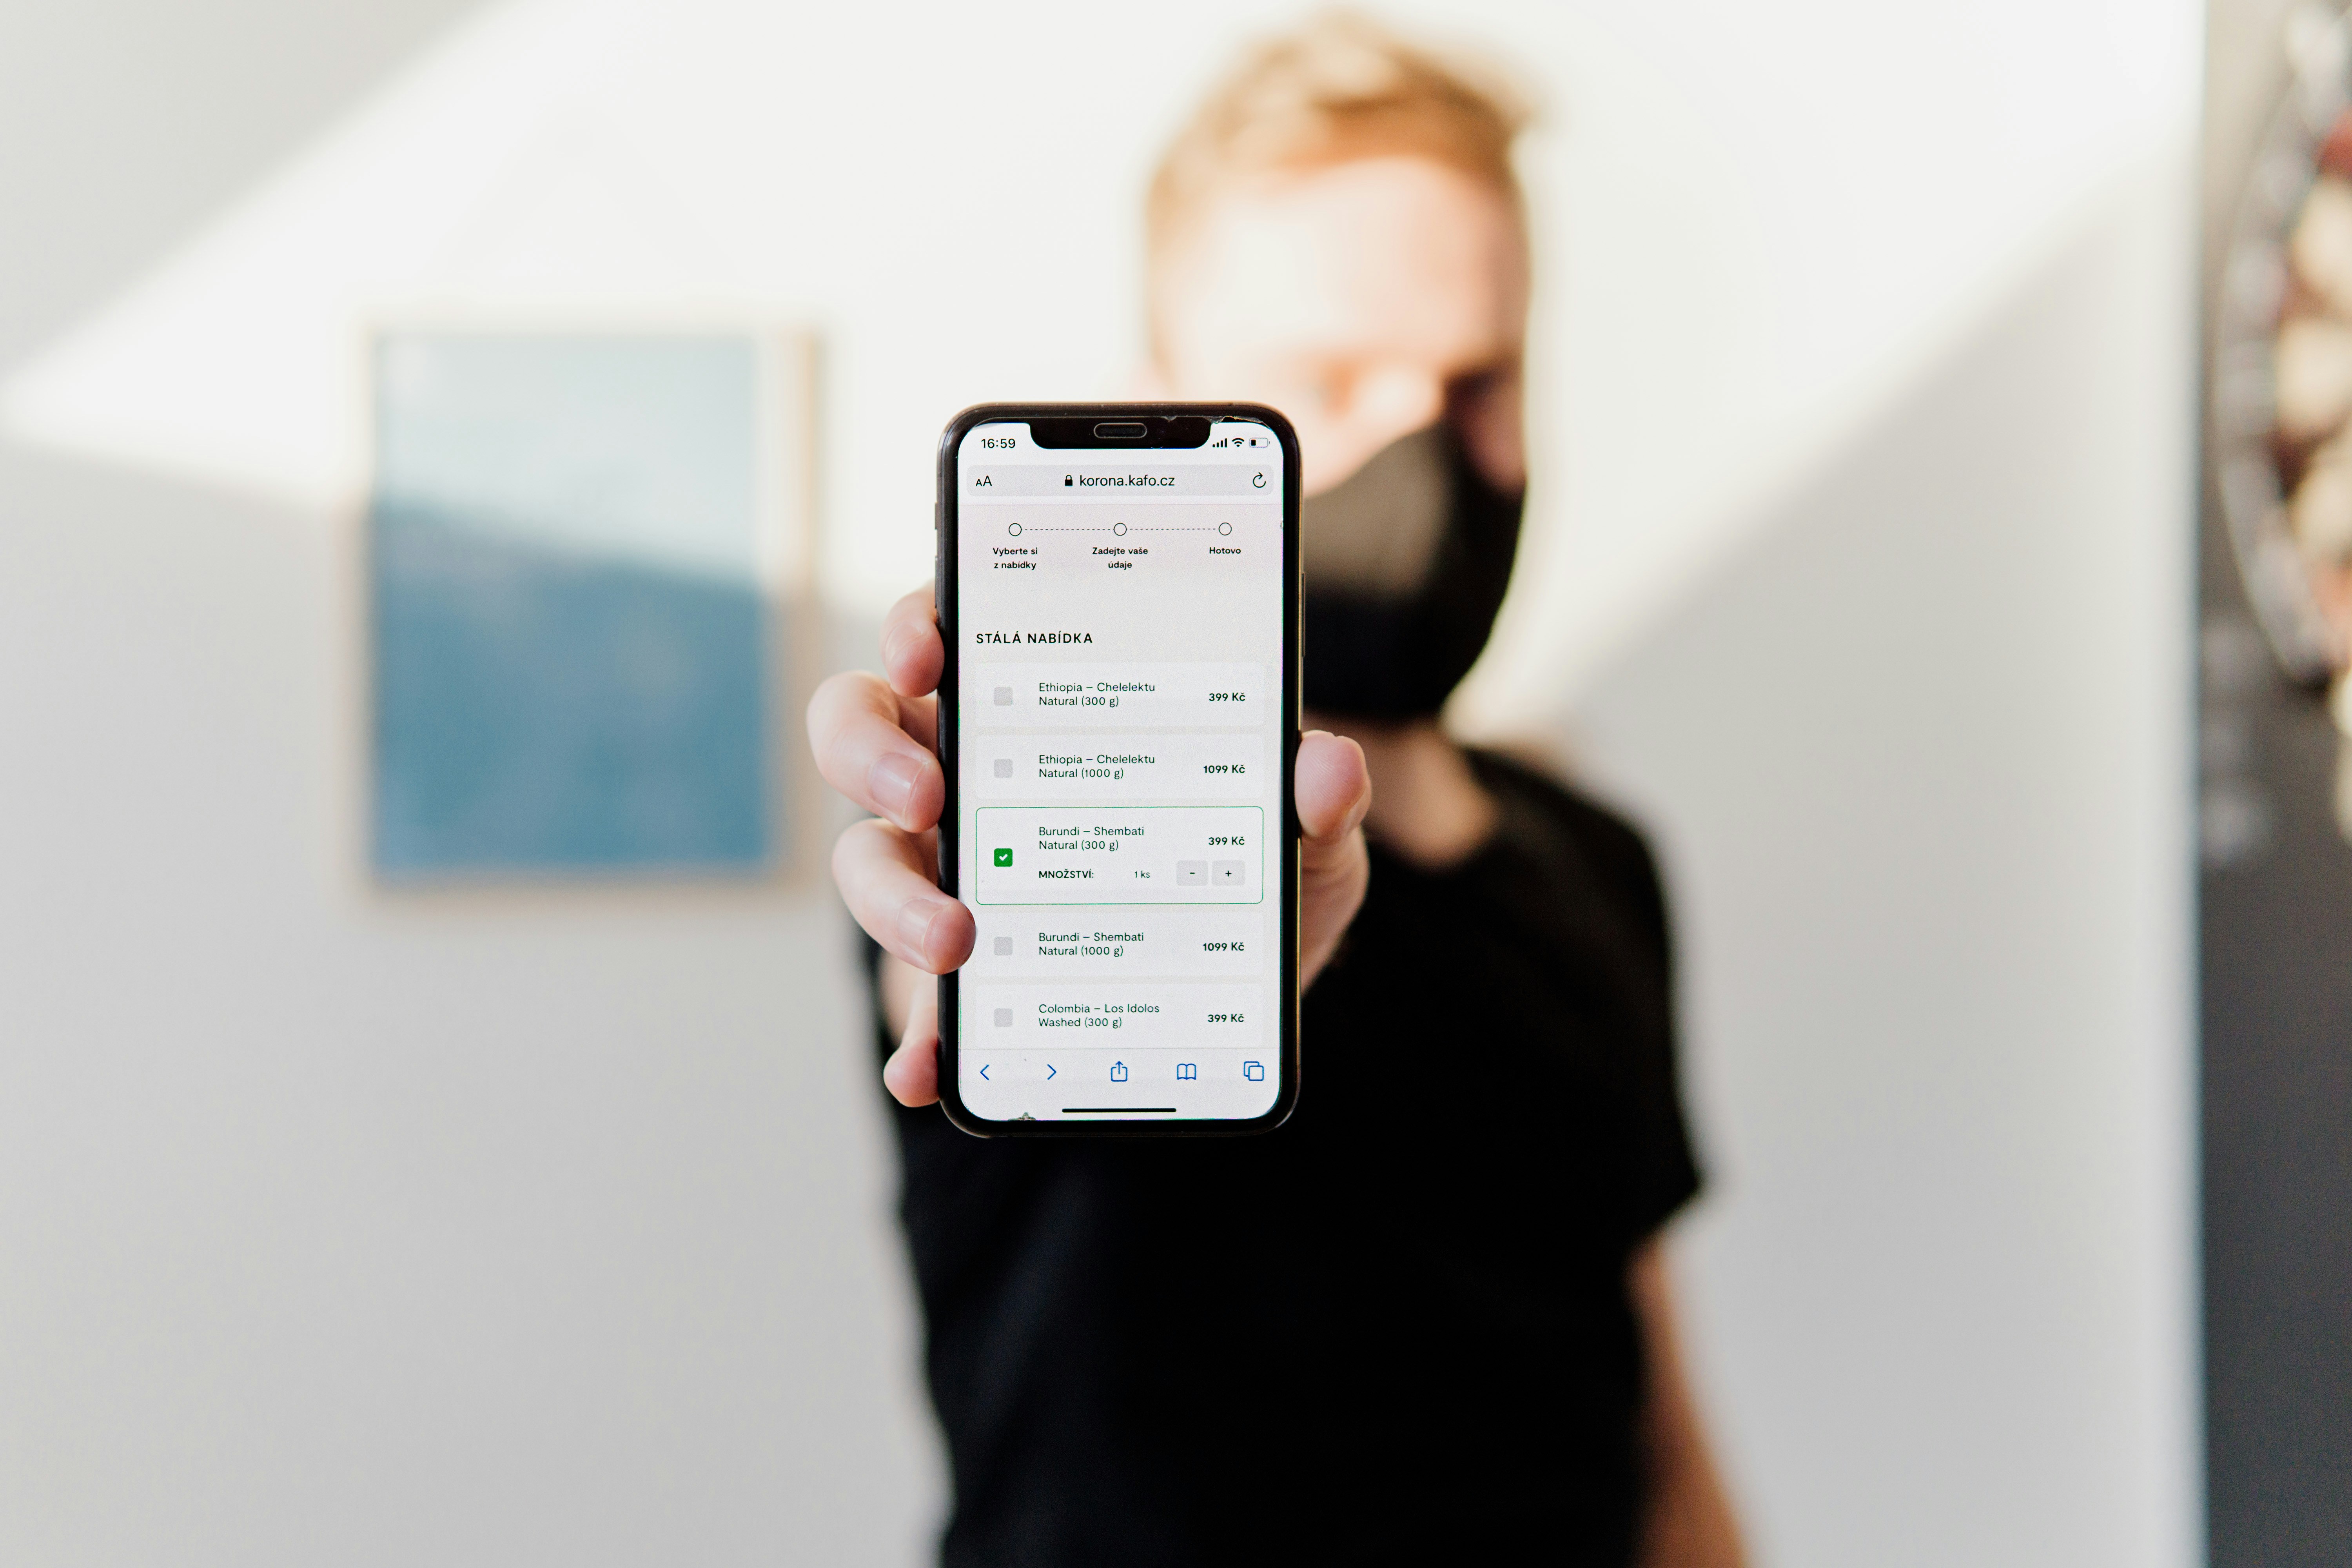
x=1118 y=594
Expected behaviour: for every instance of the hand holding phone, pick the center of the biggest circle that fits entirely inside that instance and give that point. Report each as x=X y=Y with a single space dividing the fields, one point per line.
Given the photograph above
x=875 y=740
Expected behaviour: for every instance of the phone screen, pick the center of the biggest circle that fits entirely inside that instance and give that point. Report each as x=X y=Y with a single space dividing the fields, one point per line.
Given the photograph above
x=1120 y=760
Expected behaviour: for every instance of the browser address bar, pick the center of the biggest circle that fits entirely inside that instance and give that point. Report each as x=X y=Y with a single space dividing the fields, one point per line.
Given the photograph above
x=1123 y=481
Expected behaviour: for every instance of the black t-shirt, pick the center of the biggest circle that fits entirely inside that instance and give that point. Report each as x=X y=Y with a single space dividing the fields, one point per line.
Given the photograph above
x=1394 y=1330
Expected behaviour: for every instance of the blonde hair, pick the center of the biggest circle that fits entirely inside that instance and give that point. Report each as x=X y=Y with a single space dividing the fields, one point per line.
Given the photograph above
x=1341 y=88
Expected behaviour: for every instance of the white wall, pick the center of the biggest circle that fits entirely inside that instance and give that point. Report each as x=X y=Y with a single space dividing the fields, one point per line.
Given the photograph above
x=1915 y=759
x=122 y=122
x=352 y=1228
x=1756 y=221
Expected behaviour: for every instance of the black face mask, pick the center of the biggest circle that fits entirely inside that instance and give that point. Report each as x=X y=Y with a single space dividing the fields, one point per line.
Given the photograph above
x=1406 y=564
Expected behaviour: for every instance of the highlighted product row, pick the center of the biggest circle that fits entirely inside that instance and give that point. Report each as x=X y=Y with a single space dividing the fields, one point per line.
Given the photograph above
x=1136 y=855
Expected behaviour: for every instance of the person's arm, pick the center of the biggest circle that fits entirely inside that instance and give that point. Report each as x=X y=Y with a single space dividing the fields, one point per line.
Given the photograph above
x=1690 y=1522
x=872 y=735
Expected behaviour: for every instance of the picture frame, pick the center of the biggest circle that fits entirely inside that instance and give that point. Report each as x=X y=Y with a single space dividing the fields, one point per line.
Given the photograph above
x=587 y=564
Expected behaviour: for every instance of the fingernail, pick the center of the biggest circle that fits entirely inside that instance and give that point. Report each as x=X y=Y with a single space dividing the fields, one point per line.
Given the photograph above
x=914 y=921
x=890 y=782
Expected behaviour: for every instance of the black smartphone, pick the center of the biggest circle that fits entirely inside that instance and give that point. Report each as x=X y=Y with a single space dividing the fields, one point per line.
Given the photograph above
x=1118 y=722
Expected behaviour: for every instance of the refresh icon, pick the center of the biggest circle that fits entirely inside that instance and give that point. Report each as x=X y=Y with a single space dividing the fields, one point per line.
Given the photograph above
x=1257 y=482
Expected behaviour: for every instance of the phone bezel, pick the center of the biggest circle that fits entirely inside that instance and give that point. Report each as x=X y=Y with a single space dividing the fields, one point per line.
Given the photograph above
x=950 y=686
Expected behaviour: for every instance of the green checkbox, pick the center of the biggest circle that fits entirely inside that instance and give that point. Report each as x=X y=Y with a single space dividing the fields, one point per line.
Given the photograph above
x=1004 y=856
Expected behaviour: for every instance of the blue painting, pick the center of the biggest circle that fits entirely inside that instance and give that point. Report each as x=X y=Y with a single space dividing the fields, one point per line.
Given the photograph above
x=573 y=656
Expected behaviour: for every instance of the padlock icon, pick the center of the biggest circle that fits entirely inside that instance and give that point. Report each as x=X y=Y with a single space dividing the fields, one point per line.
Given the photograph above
x=1118 y=1073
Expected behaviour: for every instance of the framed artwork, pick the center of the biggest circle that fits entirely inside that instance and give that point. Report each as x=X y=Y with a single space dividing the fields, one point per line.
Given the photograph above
x=588 y=563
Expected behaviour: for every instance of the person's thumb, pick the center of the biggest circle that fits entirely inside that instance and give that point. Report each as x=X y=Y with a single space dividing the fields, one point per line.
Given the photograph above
x=1334 y=791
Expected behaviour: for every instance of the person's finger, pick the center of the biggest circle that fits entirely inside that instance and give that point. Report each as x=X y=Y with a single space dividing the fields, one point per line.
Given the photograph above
x=1334 y=791
x=1335 y=788
x=884 y=877
x=912 y=1073
x=858 y=728
x=912 y=654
